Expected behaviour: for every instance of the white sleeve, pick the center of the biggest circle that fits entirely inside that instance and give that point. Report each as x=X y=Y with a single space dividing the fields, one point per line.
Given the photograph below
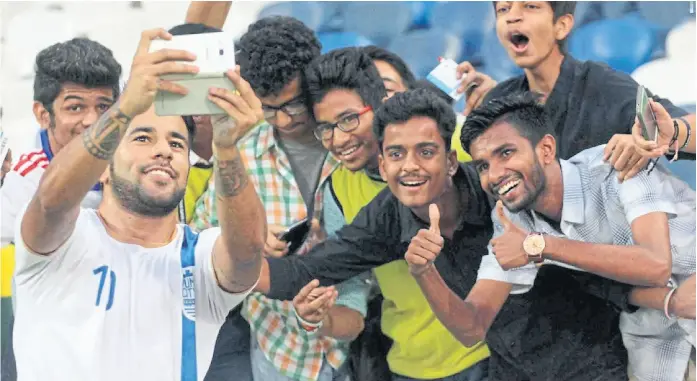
x=646 y=193
x=217 y=302
x=16 y=192
x=521 y=279
x=32 y=267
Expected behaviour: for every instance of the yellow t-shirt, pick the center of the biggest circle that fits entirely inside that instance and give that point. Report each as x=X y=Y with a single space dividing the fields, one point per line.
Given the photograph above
x=195 y=187
x=7 y=267
x=462 y=155
x=423 y=348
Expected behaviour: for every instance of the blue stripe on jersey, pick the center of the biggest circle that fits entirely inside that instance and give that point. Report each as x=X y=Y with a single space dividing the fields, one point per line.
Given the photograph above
x=188 y=370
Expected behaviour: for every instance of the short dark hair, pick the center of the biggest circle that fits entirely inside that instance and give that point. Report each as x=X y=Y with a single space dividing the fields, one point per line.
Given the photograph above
x=192 y=28
x=346 y=68
x=559 y=9
x=420 y=102
x=522 y=110
x=80 y=61
x=274 y=51
x=428 y=85
x=380 y=54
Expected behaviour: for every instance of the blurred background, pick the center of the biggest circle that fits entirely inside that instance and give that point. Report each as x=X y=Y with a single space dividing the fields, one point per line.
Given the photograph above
x=653 y=41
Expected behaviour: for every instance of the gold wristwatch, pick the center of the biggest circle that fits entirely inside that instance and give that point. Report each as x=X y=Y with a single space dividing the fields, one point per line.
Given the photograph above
x=534 y=245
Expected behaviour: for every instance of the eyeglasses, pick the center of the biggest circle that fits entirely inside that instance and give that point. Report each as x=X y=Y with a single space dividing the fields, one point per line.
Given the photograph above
x=293 y=107
x=347 y=123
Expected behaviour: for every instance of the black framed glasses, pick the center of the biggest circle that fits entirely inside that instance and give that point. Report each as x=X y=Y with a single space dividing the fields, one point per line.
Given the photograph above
x=347 y=123
x=293 y=107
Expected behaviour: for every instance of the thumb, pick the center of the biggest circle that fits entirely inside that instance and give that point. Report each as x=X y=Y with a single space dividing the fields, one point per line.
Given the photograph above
x=434 y=217
x=502 y=215
x=315 y=226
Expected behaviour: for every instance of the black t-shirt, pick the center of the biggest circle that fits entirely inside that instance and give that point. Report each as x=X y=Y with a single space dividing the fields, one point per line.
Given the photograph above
x=590 y=102
x=566 y=328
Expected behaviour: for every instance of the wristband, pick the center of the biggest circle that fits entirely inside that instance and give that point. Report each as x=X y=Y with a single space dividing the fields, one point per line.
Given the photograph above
x=306 y=325
x=689 y=132
x=666 y=302
x=674 y=141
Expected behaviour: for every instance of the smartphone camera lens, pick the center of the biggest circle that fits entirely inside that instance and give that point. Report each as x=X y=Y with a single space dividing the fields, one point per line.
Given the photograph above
x=221 y=52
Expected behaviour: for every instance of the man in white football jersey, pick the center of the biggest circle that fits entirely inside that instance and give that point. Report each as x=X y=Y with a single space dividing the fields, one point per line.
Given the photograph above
x=124 y=292
x=75 y=82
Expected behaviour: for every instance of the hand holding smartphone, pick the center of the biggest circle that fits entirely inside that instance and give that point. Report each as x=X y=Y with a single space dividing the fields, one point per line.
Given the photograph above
x=645 y=114
x=215 y=54
x=295 y=235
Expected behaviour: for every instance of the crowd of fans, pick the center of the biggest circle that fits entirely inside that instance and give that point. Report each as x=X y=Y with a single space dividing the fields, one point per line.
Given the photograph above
x=530 y=237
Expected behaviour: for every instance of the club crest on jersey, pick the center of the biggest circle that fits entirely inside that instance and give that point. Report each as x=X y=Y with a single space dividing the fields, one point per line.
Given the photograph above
x=188 y=293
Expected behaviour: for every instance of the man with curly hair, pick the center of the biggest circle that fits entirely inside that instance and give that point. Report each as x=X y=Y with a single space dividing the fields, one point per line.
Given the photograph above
x=289 y=168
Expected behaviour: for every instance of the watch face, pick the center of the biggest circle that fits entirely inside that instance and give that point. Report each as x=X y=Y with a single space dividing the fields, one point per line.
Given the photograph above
x=534 y=244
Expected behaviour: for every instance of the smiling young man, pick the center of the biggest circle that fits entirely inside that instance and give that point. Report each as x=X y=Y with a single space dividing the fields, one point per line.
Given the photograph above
x=124 y=291
x=289 y=168
x=574 y=213
x=589 y=103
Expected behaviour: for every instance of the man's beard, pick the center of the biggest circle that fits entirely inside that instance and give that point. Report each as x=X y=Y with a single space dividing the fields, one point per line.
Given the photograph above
x=134 y=198
x=538 y=181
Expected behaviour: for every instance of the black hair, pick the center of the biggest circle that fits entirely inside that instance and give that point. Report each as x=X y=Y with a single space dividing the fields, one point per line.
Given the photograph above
x=401 y=107
x=80 y=61
x=275 y=51
x=380 y=54
x=346 y=68
x=428 y=85
x=192 y=28
x=559 y=9
x=181 y=30
x=522 y=110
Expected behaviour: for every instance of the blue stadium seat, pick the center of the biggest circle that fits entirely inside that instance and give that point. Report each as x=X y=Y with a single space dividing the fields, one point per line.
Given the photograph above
x=421 y=13
x=624 y=44
x=615 y=9
x=379 y=21
x=496 y=62
x=337 y=40
x=332 y=15
x=309 y=13
x=468 y=20
x=665 y=14
x=685 y=170
x=420 y=49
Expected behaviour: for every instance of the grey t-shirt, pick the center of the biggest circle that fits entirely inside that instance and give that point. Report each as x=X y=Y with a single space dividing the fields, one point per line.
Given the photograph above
x=306 y=161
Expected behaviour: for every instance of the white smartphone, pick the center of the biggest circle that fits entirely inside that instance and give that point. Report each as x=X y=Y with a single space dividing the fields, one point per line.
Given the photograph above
x=215 y=54
x=444 y=76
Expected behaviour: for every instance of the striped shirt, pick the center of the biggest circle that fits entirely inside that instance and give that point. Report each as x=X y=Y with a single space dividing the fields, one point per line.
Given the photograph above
x=599 y=209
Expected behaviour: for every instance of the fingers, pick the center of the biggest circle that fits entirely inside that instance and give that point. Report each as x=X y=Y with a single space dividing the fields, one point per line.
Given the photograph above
x=274 y=247
x=172 y=67
x=434 y=217
x=276 y=229
x=315 y=226
x=427 y=255
x=621 y=160
x=321 y=304
x=245 y=90
x=635 y=168
x=164 y=55
x=414 y=259
x=427 y=240
x=147 y=36
x=305 y=291
x=643 y=146
x=505 y=222
x=610 y=147
x=477 y=94
x=658 y=110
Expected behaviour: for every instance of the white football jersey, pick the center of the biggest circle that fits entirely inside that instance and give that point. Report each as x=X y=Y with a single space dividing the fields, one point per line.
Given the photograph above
x=100 y=309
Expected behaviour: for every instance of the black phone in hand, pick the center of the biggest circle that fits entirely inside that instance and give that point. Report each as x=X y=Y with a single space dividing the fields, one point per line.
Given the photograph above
x=295 y=235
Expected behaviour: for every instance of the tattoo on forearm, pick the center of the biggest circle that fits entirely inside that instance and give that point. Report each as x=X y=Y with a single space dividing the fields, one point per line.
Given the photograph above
x=102 y=139
x=230 y=177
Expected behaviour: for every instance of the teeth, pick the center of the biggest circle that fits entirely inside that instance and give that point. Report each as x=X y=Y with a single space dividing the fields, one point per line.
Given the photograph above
x=508 y=186
x=349 y=151
x=159 y=172
x=413 y=183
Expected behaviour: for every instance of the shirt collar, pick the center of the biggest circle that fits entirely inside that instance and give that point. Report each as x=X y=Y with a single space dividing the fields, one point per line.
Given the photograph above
x=266 y=141
x=573 y=206
x=477 y=205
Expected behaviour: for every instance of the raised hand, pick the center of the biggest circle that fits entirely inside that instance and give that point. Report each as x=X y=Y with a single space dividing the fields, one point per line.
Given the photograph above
x=426 y=244
x=313 y=302
x=476 y=85
x=243 y=111
x=508 y=247
x=666 y=130
x=144 y=81
x=274 y=246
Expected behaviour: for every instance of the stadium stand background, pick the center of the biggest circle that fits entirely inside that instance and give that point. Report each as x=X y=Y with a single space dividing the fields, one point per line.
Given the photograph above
x=653 y=41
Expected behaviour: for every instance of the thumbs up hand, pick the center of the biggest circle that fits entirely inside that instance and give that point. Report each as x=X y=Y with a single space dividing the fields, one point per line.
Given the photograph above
x=508 y=247
x=426 y=244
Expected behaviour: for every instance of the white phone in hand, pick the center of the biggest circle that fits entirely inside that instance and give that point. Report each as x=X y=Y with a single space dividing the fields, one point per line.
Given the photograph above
x=215 y=54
